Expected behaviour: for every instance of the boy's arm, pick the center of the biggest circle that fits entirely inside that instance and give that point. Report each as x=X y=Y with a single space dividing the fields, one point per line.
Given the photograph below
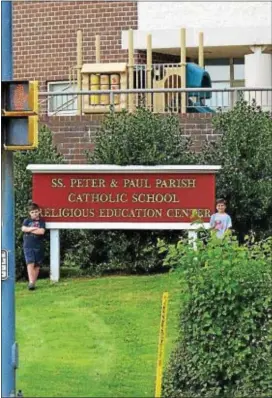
x=212 y=222
x=229 y=226
x=38 y=231
x=28 y=229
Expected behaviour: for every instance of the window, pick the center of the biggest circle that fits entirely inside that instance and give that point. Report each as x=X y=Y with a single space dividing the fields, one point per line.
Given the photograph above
x=62 y=104
x=220 y=98
x=238 y=72
x=219 y=71
x=224 y=73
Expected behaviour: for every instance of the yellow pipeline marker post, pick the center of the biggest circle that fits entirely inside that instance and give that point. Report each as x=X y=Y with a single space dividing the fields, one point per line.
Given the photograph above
x=161 y=344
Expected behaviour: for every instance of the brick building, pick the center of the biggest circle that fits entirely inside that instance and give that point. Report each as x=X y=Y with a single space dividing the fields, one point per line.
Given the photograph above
x=44 y=48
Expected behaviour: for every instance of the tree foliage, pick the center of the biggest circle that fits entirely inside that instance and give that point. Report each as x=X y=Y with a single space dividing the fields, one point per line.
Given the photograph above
x=245 y=154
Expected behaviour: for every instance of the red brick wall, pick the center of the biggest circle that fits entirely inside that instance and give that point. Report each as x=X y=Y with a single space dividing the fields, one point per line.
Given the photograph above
x=157 y=58
x=74 y=134
x=44 y=35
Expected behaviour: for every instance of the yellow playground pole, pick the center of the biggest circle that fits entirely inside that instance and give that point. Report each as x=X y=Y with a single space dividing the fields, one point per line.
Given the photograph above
x=161 y=345
x=97 y=49
x=79 y=66
x=149 y=67
x=183 y=67
x=130 y=67
x=200 y=50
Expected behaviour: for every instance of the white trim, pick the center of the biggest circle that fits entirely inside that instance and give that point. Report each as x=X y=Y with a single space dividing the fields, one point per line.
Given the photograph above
x=165 y=39
x=105 y=168
x=54 y=82
x=122 y=225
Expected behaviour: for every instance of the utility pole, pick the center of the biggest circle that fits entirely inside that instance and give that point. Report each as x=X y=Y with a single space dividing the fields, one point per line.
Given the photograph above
x=9 y=347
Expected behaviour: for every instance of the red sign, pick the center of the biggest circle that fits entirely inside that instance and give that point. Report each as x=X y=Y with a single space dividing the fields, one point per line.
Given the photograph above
x=124 y=197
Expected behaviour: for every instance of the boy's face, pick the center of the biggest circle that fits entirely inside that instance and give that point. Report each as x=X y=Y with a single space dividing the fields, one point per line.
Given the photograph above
x=221 y=207
x=34 y=214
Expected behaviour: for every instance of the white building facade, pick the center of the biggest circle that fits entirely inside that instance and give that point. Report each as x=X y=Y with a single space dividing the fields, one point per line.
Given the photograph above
x=237 y=37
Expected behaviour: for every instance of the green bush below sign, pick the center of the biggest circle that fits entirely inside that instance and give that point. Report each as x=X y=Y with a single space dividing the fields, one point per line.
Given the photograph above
x=224 y=348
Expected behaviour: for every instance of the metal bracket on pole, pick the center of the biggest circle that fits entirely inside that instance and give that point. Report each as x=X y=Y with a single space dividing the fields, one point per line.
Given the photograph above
x=15 y=356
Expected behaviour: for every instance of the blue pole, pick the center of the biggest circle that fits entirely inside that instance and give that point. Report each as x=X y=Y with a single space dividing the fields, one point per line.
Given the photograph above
x=9 y=347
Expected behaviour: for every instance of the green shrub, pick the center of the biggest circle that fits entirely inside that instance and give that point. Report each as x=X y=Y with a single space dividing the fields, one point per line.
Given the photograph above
x=225 y=341
x=140 y=138
x=46 y=153
x=245 y=154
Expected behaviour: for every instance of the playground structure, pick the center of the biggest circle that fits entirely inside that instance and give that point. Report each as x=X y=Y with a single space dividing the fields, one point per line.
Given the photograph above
x=121 y=76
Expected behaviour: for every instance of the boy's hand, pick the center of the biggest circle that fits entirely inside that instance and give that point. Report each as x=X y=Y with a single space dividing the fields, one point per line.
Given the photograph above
x=33 y=228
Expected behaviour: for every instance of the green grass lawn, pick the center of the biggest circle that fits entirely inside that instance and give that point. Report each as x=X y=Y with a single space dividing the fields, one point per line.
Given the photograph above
x=93 y=337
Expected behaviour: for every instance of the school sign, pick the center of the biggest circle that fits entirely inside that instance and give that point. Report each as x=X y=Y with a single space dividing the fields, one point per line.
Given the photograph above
x=122 y=197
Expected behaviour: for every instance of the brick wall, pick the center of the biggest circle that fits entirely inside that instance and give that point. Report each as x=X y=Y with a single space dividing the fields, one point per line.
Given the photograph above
x=74 y=134
x=44 y=35
x=157 y=58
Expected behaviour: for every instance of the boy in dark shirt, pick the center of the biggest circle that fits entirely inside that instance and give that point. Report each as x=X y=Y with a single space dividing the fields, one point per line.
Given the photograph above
x=34 y=229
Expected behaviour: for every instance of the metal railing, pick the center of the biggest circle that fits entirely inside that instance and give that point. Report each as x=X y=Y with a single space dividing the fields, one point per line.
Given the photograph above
x=157 y=100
